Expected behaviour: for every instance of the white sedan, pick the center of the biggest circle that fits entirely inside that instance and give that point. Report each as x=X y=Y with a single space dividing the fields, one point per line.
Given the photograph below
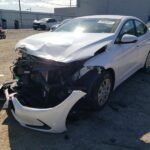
x=83 y=60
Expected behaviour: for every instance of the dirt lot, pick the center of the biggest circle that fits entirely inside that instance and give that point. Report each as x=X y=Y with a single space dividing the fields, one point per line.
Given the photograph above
x=124 y=124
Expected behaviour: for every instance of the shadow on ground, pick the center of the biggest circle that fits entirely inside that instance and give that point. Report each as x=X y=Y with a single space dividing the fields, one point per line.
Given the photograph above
x=119 y=126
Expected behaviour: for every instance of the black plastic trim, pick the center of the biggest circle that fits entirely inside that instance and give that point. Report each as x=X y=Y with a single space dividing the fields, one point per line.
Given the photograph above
x=43 y=127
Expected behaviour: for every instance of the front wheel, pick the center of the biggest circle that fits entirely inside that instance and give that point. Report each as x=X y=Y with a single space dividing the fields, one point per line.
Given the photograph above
x=4 y=36
x=147 y=64
x=101 y=91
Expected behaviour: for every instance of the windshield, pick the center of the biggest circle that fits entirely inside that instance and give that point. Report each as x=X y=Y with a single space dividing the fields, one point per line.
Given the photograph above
x=90 y=25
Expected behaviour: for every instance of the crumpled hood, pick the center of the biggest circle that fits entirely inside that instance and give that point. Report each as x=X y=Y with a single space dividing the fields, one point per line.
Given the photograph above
x=64 y=46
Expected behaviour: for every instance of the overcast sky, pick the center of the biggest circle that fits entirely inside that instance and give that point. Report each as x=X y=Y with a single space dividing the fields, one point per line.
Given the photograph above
x=35 y=5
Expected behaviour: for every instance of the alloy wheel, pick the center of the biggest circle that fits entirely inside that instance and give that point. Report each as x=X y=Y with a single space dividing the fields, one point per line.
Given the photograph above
x=104 y=91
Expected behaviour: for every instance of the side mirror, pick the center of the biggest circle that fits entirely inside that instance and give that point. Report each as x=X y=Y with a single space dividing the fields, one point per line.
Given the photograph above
x=128 y=38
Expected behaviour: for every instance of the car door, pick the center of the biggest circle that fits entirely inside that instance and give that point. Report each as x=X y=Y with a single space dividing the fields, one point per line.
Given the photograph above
x=143 y=42
x=127 y=53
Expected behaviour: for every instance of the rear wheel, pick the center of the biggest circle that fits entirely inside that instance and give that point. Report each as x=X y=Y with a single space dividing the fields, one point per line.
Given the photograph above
x=43 y=27
x=147 y=64
x=34 y=28
x=101 y=91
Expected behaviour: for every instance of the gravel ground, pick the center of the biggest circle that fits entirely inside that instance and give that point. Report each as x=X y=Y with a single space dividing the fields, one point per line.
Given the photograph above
x=124 y=124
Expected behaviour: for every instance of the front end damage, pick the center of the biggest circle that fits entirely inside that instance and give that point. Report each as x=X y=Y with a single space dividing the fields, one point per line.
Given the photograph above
x=45 y=91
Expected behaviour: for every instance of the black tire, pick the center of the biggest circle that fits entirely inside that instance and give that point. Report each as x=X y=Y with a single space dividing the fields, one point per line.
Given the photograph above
x=147 y=64
x=95 y=102
x=43 y=27
x=34 y=28
x=4 y=36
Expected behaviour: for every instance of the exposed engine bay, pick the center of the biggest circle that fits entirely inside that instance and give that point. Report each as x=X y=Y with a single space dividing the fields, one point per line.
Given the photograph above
x=44 y=83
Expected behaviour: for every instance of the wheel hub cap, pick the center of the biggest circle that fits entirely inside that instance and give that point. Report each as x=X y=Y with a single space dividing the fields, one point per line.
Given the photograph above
x=104 y=91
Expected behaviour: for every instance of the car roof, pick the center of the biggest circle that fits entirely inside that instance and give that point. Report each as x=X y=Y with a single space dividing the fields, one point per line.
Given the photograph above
x=109 y=16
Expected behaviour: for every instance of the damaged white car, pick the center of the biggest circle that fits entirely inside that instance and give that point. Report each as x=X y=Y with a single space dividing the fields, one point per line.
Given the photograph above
x=83 y=60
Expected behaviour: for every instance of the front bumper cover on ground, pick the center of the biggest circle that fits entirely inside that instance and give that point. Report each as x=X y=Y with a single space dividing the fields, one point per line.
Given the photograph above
x=47 y=120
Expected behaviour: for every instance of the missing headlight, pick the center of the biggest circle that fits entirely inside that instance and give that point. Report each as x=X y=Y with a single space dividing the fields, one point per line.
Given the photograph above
x=46 y=82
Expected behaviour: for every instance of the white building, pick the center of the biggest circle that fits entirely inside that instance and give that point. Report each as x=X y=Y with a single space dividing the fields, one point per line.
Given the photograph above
x=138 y=8
x=11 y=18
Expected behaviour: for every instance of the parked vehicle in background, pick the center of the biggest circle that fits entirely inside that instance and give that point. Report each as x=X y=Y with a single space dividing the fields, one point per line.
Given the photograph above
x=54 y=27
x=44 y=24
x=2 y=33
x=83 y=60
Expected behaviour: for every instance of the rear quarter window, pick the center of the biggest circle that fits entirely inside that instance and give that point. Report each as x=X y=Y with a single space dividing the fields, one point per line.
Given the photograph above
x=141 y=29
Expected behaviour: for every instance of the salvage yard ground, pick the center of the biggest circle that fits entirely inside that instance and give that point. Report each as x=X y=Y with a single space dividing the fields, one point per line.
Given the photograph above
x=124 y=124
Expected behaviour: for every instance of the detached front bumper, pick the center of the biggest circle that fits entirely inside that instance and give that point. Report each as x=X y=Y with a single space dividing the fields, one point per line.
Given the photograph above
x=47 y=120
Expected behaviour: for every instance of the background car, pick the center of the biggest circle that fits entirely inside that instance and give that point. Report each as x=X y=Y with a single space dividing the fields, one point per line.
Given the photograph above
x=44 y=24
